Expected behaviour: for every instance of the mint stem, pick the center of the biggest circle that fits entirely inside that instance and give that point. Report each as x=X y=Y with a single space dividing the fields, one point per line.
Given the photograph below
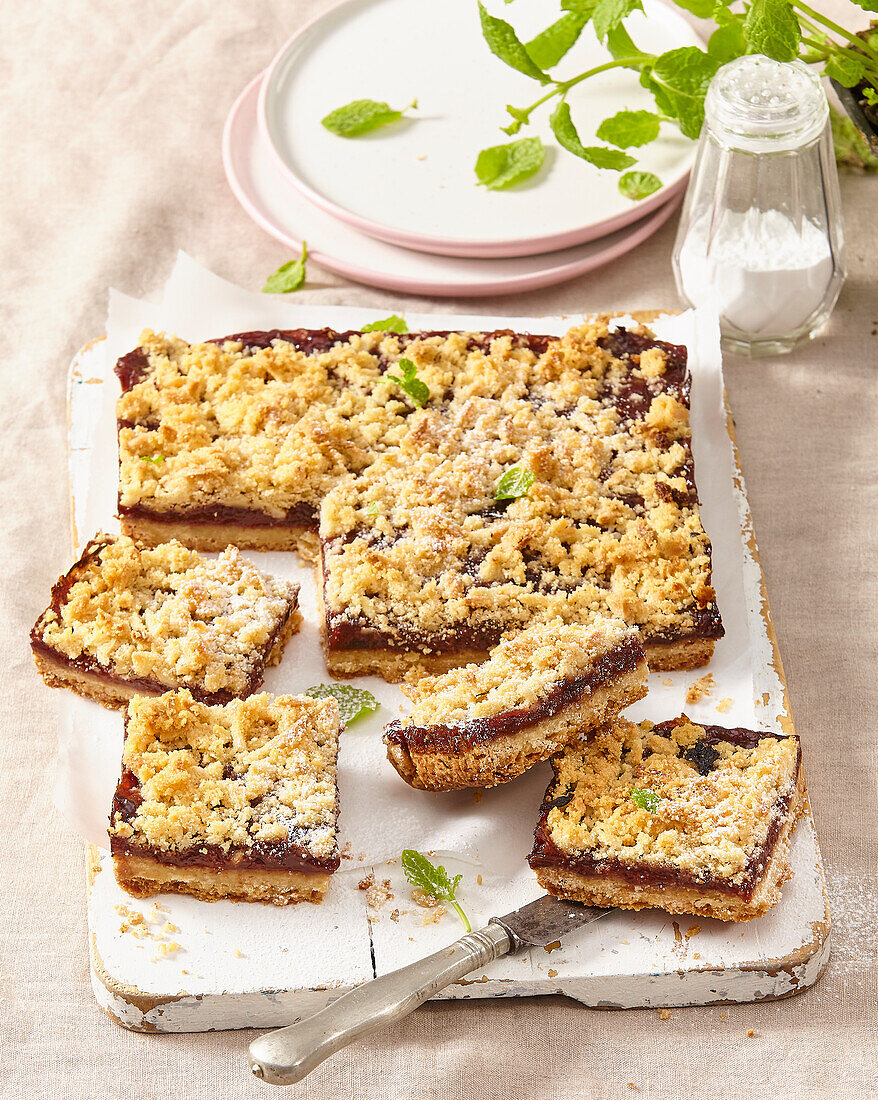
x=462 y=916
x=562 y=87
x=820 y=18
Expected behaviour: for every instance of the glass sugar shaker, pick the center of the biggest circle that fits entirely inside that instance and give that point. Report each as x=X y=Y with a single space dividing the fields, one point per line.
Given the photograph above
x=760 y=235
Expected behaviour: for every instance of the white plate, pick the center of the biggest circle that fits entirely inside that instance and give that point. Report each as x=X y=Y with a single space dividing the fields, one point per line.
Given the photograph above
x=413 y=183
x=289 y=217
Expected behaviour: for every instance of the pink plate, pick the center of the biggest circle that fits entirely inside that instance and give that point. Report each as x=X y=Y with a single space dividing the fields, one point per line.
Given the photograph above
x=276 y=206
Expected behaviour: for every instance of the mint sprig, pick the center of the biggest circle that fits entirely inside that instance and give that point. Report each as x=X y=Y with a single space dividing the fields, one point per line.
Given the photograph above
x=289 y=276
x=638 y=185
x=504 y=43
x=598 y=155
x=514 y=483
x=361 y=116
x=417 y=389
x=433 y=881
x=353 y=703
x=645 y=800
x=547 y=48
x=155 y=459
x=393 y=323
x=629 y=128
x=502 y=166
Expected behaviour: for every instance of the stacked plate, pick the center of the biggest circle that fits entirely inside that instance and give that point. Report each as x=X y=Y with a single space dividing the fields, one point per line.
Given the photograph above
x=400 y=208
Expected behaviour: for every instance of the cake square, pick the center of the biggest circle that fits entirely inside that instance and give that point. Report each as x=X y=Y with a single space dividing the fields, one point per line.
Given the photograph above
x=129 y=619
x=237 y=801
x=540 y=689
x=688 y=818
x=305 y=439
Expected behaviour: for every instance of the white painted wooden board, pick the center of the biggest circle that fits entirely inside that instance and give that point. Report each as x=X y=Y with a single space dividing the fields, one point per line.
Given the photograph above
x=238 y=965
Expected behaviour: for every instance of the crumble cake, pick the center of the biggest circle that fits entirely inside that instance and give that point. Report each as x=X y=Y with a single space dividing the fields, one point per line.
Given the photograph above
x=688 y=818
x=304 y=439
x=541 y=688
x=129 y=619
x=237 y=802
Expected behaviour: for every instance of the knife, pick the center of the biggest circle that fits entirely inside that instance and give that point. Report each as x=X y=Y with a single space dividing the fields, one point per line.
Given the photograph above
x=287 y=1055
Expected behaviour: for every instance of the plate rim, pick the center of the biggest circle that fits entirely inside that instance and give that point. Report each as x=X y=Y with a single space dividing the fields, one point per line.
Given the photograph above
x=448 y=288
x=461 y=247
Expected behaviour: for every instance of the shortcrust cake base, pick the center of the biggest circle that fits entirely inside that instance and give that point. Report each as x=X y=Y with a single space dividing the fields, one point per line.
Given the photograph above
x=503 y=758
x=394 y=665
x=217 y=536
x=142 y=877
x=117 y=695
x=613 y=891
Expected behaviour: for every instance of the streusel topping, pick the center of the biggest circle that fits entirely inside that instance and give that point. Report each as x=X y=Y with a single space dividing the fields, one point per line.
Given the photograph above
x=167 y=614
x=255 y=771
x=708 y=825
x=522 y=670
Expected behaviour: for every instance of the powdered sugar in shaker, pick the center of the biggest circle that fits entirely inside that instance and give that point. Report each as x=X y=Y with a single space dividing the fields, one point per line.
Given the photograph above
x=760 y=236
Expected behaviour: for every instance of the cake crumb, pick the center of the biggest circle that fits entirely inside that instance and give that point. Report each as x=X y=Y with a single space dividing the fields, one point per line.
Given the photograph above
x=723 y=1015
x=168 y=927
x=424 y=900
x=238 y=953
x=167 y=948
x=693 y=930
x=434 y=915
x=668 y=683
x=696 y=955
x=553 y=946
x=751 y=1034
x=724 y=705
x=377 y=894
x=366 y=883
x=664 y=1014
x=394 y=916
x=478 y=880
x=700 y=688
x=553 y=973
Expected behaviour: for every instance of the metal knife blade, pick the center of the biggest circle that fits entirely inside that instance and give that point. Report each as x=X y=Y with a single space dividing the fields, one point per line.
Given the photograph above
x=546 y=920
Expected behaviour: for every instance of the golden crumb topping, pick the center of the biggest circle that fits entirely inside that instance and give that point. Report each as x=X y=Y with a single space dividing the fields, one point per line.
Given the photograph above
x=415 y=541
x=522 y=670
x=715 y=804
x=167 y=614
x=257 y=771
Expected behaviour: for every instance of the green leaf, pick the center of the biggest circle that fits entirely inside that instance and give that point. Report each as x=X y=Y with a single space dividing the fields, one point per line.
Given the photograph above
x=581 y=7
x=417 y=390
x=870 y=96
x=156 y=459
x=866 y=5
x=851 y=148
x=433 y=881
x=503 y=42
x=637 y=185
x=289 y=276
x=362 y=115
x=514 y=483
x=771 y=28
x=621 y=44
x=682 y=77
x=645 y=800
x=353 y=703
x=847 y=70
x=520 y=116
x=393 y=323
x=502 y=166
x=608 y=14
x=372 y=508
x=627 y=128
x=701 y=9
x=547 y=48
x=727 y=42
x=601 y=157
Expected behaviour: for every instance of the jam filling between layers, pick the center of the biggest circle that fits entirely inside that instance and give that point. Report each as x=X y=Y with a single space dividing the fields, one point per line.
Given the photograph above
x=90 y=666
x=291 y=856
x=547 y=854
x=457 y=737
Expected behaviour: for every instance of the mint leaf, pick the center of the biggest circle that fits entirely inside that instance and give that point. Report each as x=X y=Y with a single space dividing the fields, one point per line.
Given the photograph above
x=847 y=70
x=637 y=185
x=547 y=48
x=152 y=458
x=866 y=5
x=372 y=508
x=353 y=703
x=289 y=276
x=645 y=800
x=432 y=881
x=870 y=96
x=581 y=7
x=621 y=44
x=627 y=128
x=565 y=132
x=502 y=166
x=727 y=42
x=682 y=77
x=393 y=323
x=851 y=148
x=608 y=14
x=771 y=28
x=701 y=9
x=362 y=115
x=417 y=390
x=503 y=42
x=514 y=483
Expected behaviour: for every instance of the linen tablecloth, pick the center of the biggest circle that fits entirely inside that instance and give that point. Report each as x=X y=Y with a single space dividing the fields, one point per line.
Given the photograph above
x=111 y=120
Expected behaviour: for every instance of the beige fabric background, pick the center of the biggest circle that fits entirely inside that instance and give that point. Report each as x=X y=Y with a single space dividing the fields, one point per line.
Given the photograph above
x=111 y=118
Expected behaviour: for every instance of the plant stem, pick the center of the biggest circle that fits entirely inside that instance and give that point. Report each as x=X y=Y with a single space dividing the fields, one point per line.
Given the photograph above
x=820 y=18
x=462 y=916
x=562 y=87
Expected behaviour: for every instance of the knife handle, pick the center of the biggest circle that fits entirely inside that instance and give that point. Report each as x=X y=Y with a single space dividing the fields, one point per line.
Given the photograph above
x=287 y=1055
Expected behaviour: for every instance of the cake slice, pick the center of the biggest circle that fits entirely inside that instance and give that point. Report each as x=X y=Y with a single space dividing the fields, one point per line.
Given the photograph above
x=688 y=818
x=128 y=619
x=237 y=801
x=540 y=689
